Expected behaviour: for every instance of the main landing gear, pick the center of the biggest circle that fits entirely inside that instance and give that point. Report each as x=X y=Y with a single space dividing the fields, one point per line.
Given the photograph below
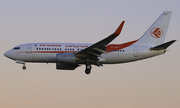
x=88 y=68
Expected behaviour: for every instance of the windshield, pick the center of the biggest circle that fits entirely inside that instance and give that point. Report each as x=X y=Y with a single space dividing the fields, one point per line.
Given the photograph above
x=16 y=48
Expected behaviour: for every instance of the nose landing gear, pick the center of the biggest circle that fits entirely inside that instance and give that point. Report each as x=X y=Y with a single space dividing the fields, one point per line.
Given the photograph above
x=22 y=62
x=24 y=67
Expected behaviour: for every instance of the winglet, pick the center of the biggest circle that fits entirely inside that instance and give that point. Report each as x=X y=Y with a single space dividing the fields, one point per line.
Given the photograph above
x=118 y=31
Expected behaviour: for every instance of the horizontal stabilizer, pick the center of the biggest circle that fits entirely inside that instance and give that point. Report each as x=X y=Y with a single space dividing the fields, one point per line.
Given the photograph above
x=163 y=46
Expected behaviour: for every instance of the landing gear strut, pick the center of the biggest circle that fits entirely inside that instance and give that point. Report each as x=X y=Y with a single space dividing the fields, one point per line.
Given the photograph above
x=88 y=68
x=22 y=62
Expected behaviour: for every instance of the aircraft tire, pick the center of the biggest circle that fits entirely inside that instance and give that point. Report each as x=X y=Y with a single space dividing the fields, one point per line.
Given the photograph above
x=87 y=71
x=88 y=66
x=24 y=67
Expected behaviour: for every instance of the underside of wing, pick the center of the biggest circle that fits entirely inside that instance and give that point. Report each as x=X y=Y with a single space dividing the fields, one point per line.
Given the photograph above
x=94 y=51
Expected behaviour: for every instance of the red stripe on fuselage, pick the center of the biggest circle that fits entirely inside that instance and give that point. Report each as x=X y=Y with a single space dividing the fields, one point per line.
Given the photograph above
x=112 y=47
x=109 y=48
x=46 y=51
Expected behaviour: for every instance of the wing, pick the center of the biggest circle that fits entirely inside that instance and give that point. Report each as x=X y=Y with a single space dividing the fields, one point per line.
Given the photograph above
x=94 y=51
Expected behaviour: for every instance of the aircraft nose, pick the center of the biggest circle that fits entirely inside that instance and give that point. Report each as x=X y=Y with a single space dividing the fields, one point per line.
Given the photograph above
x=7 y=54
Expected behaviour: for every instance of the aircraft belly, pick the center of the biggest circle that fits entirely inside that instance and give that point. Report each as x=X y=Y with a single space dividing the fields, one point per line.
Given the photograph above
x=123 y=57
x=48 y=57
x=117 y=57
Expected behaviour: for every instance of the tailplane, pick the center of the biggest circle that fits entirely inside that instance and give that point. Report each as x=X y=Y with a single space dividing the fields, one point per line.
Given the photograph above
x=156 y=34
x=163 y=46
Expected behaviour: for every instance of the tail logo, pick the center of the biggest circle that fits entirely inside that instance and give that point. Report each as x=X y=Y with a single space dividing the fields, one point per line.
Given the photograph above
x=156 y=32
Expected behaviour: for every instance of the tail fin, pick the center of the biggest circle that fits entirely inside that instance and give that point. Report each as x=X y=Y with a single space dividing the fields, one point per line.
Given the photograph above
x=156 y=34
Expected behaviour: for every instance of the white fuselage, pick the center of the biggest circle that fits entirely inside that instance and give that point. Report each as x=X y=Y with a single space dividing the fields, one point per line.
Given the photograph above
x=46 y=52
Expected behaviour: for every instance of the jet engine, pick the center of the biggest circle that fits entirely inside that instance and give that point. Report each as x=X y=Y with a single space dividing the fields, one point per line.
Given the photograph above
x=66 y=66
x=66 y=58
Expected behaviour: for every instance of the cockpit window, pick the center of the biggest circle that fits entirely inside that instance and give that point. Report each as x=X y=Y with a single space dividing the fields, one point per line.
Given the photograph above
x=16 y=48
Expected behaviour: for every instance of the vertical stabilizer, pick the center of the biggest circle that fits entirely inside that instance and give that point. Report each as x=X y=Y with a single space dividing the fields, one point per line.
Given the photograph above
x=156 y=34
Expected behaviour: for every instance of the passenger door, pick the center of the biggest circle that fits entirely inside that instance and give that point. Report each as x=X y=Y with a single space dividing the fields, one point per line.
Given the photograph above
x=135 y=51
x=29 y=48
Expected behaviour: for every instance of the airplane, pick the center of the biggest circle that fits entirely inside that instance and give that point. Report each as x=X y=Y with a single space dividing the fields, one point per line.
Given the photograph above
x=69 y=56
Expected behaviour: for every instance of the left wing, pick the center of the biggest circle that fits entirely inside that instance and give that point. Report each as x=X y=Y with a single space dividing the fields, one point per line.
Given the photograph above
x=94 y=51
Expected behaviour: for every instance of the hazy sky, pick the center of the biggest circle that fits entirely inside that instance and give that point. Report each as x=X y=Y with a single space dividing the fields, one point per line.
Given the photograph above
x=150 y=83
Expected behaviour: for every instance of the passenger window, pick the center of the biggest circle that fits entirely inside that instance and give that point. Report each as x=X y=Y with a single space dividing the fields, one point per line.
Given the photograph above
x=44 y=48
x=39 y=48
x=36 y=48
x=57 y=48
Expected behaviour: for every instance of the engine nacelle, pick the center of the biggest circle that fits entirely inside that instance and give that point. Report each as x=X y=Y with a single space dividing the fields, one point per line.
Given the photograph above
x=66 y=66
x=66 y=58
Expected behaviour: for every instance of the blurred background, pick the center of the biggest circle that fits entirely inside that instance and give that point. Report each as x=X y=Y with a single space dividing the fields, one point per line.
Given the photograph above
x=150 y=83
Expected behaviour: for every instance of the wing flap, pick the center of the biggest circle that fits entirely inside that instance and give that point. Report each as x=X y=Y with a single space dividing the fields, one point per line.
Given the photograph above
x=100 y=50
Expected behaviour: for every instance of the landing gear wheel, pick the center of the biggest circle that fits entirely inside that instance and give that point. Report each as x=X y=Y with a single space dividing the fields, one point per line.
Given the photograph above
x=24 y=67
x=88 y=69
x=88 y=66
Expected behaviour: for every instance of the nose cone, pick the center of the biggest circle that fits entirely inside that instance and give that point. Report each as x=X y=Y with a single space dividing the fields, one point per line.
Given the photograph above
x=7 y=54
